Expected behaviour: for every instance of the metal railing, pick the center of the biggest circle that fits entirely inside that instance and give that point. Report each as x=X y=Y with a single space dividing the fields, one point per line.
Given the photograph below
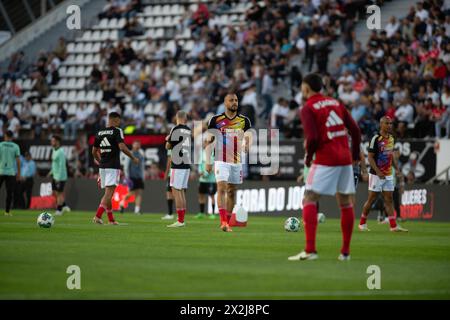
x=445 y=172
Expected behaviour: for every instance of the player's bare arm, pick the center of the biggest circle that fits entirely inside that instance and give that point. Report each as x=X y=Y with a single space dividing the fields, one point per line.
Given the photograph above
x=123 y=147
x=166 y=172
x=374 y=166
x=364 y=171
x=209 y=147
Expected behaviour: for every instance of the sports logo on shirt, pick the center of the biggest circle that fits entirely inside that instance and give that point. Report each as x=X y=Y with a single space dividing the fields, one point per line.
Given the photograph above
x=334 y=120
x=105 y=143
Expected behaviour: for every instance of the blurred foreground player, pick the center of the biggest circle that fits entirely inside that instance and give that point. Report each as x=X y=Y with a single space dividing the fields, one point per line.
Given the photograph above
x=325 y=122
x=230 y=133
x=179 y=141
x=381 y=178
x=9 y=167
x=106 y=152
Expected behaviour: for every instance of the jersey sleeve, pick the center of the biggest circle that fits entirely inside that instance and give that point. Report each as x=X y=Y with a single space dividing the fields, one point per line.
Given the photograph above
x=212 y=123
x=17 y=152
x=97 y=141
x=247 y=124
x=373 y=144
x=119 y=135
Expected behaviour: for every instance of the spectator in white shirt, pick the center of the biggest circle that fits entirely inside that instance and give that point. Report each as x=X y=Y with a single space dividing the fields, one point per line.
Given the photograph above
x=433 y=95
x=392 y=27
x=404 y=115
x=279 y=113
x=13 y=123
x=347 y=94
x=421 y=12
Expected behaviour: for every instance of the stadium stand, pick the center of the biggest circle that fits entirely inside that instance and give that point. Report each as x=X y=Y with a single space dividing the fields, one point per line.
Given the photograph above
x=148 y=59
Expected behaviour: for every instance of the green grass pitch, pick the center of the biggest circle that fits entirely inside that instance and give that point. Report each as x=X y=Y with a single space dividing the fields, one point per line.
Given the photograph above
x=146 y=260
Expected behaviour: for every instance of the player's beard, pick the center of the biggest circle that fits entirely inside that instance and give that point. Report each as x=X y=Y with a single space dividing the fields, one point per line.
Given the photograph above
x=233 y=108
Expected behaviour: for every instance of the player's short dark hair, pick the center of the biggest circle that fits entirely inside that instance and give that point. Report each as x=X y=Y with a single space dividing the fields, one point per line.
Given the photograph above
x=114 y=115
x=314 y=81
x=57 y=138
x=9 y=134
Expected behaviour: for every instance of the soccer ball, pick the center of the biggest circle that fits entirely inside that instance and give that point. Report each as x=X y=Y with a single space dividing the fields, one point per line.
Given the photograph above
x=45 y=220
x=292 y=224
x=321 y=217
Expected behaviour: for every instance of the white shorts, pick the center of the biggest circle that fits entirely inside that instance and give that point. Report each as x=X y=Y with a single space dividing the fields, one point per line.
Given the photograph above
x=179 y=178
x=109 y=177
x=328 y=180
x=377 y=185
x=228 y=172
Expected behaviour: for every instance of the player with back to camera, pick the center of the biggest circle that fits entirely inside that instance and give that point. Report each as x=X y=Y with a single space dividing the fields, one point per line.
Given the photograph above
x=109 y=142
x=326 y=121
x=381 y=178
x=9 y=167
x=227 y=142
x=179 y=141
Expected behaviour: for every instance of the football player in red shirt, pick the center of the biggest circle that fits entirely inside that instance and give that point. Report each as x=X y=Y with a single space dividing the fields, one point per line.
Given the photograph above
x=327 y=123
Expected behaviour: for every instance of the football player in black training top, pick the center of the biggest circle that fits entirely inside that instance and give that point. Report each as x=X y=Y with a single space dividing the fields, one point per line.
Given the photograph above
x=179 y=141
x=106 y=151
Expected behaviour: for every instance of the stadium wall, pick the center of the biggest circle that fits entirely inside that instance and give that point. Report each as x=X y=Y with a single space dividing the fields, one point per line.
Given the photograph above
x=274 y=198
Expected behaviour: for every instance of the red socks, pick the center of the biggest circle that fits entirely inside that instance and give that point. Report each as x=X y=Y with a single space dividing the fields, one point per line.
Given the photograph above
x=223 y=215
x=392 y=221
x=310 y=221
x=101 y=209
x=181 y=213
x=347 y=221
x=110 y=215
x=363 y=220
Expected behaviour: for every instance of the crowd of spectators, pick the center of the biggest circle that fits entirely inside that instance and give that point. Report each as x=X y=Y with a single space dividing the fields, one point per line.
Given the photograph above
x=403 y=71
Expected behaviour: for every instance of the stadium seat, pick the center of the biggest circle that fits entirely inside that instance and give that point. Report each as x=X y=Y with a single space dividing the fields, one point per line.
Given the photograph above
x=53 y=109
x=70 y=47
x=90 y=96
x=26 y=84
x=158 y=22
x=70 y=84
x=103 y=24
x=121 y=23
x=72 y=96
x=72 y=109
x=81 y=96
x=165 y=10
x=98 y=96
x=87 y=36
x=113 y=23
x=149 y=22
x=95 y=36
x=52 y=97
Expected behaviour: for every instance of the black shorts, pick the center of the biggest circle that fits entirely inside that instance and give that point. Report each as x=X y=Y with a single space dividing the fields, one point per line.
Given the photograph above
x=169 y=188
x=137 y=184
x=10 y=182
x=58 y=186
x=208 y=188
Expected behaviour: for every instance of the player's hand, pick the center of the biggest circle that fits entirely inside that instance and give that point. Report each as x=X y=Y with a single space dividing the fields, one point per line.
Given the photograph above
x=300 y=179
x=135 y=160
x=208 y=168
x=96 y=162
